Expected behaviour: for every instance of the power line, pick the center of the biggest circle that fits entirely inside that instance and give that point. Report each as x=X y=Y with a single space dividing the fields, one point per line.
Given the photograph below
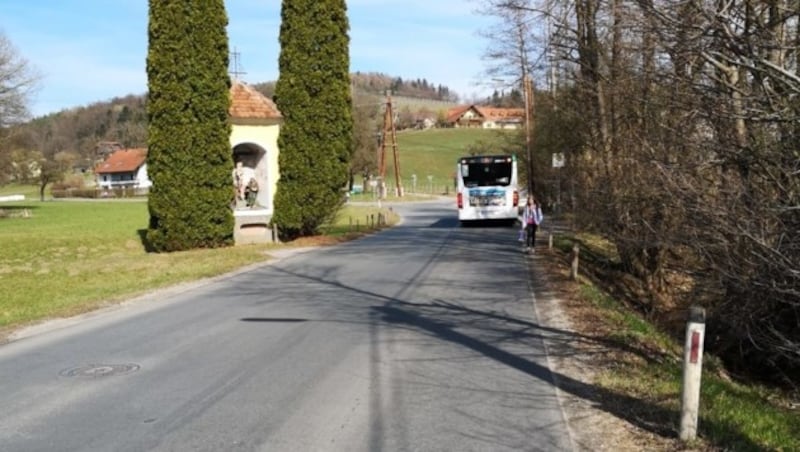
x=237 y=69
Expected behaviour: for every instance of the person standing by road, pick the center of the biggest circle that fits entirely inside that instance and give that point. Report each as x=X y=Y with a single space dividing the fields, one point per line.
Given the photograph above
x=531 y=219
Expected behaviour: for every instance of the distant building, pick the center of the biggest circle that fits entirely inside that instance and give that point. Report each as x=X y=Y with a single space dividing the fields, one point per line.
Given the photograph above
x=126 y=168
x=486 y=117
x=425 y=123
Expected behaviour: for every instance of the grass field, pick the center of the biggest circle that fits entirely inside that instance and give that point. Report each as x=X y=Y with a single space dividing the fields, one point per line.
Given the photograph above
x=29 y=191
x=67 y=257
x=434 y=153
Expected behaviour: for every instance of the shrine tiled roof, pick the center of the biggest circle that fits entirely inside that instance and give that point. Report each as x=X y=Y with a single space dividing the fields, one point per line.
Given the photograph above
x=248 y=103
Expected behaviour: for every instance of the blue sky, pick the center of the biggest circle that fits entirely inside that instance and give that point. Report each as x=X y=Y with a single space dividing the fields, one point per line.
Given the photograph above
x=88 y=51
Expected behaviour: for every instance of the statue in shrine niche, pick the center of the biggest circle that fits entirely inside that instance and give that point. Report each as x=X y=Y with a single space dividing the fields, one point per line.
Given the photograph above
x=238 y=182
x=251 y=192
x=242 y=177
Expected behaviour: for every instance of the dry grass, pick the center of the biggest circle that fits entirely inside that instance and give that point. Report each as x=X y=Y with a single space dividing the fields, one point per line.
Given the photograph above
x=631 y=370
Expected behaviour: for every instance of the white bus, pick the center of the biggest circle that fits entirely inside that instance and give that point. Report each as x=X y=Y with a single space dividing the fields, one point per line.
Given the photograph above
x=487 y=188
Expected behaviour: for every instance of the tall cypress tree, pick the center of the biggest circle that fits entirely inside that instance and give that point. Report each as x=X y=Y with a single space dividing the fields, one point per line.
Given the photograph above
x=313 y=95
x=189 y=155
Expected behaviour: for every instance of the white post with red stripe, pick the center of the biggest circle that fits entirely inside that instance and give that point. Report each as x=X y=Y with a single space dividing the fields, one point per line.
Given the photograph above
x=692 y=371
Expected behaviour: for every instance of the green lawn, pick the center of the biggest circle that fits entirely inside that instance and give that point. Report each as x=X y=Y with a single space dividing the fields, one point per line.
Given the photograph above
x=66 y=257
x=31 y=192
x=434 y=153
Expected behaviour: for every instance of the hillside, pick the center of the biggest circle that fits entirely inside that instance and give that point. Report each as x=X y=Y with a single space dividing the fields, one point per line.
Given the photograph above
x=82 y=131
x=375 y=83
x=434 y=153
x=422 y=153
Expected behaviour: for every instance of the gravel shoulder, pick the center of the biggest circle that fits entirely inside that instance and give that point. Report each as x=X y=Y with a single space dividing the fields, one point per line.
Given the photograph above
x=577 y=356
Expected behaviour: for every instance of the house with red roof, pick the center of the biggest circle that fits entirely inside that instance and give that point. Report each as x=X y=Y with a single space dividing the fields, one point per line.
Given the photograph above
x=486 y=117
x=124 y=168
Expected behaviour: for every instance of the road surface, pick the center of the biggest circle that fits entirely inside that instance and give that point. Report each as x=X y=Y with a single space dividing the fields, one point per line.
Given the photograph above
x=423 y=337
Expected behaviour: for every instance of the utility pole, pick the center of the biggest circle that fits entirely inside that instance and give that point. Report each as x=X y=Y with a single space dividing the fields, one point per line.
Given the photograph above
x=527 y=92
x=390 y=130
x=237 y=67
x=527 y=87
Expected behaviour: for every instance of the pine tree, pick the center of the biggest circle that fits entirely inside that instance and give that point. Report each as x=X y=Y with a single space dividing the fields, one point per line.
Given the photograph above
x=189 y=156
x=313 y=95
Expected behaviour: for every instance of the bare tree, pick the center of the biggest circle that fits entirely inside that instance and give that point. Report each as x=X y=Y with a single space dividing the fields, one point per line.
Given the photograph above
x=17 y=79
x=689 y=162
x=365 y=135
x=740 y=191
x=515 y=46
x=54 y=169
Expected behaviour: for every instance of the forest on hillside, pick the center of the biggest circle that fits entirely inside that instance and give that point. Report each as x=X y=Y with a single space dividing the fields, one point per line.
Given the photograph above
x=82 y=136
x=375 y=83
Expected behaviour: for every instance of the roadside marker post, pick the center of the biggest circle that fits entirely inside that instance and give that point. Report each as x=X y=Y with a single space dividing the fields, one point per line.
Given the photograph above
x=573 y=272
x=692 y=372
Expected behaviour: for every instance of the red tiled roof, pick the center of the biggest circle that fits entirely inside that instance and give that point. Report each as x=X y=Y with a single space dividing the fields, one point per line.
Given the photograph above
x=486 y=113
x=247 y=103
x=455 y=113
x=496 y=114
x=124 y=161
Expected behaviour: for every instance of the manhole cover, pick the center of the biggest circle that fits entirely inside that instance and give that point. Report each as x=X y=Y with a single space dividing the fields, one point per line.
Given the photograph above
x=99 y=370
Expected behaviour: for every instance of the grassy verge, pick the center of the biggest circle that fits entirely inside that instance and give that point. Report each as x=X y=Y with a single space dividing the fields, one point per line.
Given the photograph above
x=645 y=364
x=31 y=192
x=66 y=258
x=359 y=219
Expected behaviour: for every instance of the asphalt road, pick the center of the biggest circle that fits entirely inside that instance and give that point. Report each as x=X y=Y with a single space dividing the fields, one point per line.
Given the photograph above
x=423 y=337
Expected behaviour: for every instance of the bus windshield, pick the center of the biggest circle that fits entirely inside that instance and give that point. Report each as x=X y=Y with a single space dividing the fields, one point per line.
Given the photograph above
x=485 y=172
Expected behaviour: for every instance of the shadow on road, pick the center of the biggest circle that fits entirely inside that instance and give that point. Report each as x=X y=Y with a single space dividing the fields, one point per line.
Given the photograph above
x=494 y=334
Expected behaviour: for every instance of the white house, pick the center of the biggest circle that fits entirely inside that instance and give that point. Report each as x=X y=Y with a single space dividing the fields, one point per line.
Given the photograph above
x=486 y=117
x=124 y=168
